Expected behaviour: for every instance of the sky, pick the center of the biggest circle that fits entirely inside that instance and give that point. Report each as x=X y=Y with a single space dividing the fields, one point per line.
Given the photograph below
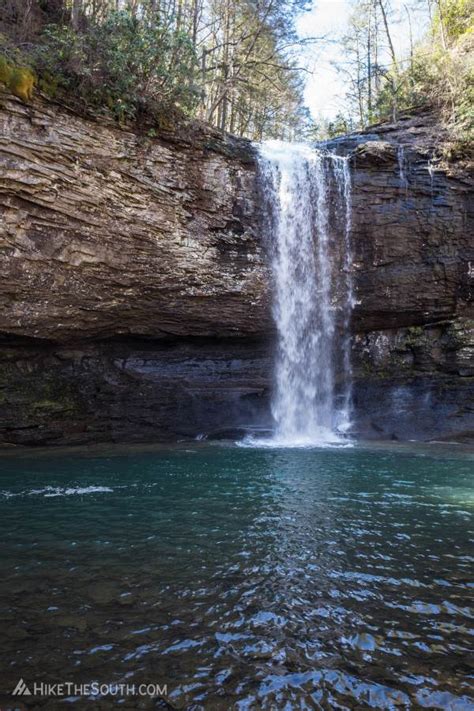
x=325 y=90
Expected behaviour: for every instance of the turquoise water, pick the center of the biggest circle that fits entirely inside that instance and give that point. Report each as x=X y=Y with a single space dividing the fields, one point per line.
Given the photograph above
x=242 y=578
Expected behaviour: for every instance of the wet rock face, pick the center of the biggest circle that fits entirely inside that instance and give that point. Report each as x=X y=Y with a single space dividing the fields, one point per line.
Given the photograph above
x=416 y=382
x=413 y=348
x=412 y=240
x=135 y=289
x=131 y=391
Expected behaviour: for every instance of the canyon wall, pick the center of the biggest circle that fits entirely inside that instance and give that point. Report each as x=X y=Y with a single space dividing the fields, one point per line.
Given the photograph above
x=135 y=290
x=413 y=253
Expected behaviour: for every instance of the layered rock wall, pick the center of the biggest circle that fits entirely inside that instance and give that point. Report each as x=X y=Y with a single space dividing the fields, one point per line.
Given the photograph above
x=107 y=232
x=135 y=291
x=413 y=251
x=134 y=286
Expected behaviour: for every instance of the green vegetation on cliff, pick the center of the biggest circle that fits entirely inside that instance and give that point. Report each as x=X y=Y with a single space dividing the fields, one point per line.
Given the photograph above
x=20 y=80
x=235 y=63
x=437 y=72
x=229 y=63
x=440 y=73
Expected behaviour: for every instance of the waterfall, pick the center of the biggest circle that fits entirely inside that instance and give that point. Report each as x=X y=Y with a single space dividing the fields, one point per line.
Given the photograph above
x=401 y=160
x=307 y=209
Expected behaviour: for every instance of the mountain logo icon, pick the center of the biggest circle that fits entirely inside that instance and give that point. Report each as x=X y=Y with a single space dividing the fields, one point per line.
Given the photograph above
x=21 y=689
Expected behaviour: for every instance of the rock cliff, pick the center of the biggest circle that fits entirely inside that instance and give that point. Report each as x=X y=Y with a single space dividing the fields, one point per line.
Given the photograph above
x=413 y=247
x=135 y=291
x=107 y=232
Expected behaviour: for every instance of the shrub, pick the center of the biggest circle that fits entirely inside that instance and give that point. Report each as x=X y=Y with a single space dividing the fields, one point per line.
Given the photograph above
x=457 y=19
x=441 y=75
x=121 y=63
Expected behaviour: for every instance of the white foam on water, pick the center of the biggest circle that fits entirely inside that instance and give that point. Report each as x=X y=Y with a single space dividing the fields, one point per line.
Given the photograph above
x=321 y=440
x=50 y=491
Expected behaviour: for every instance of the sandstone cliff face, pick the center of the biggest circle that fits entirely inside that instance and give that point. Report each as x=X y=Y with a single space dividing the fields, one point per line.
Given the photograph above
x=134 y=287
x=106 y=232
x=135 y=291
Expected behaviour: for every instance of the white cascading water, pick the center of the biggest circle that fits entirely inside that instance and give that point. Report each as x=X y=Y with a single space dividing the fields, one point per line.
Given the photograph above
x=307 y=205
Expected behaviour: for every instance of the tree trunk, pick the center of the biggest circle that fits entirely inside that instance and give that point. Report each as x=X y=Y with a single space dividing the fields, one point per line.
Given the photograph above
x=76 y=14
x=389 y=36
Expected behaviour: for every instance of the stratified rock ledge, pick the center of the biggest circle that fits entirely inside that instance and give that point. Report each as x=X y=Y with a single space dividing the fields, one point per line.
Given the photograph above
x=135 y=288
